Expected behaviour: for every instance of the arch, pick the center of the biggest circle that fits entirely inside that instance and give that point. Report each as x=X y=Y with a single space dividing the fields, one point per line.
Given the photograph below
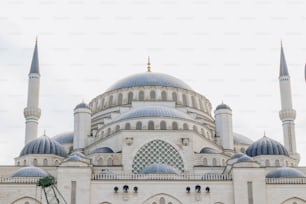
x=201 y=105
x=294 y=199
x=127 y=126
x=110 y=100
x=267 y=162
x=194 y=103
x=242 y=149
x=141 y=96
x=157 y=151
x=277 y=163
x=163 y=125
x=120 y=99
x=205 y=163
x=138 y=125
x=185 y=100
x=185 y=126
x=195 y=128
x=108 y=131
x=18 y=163
x=214 y=162
x=56 y=162
x=25 y=199
x=174 y=96
x=117 y=128
x=164 y=95
x=109 y=161
x=162 y=198
x=152 y=94
x=130 y=97
x=45 y=162
x=100 y=161
x=105 y=203
x=35 y=162
x=174 y=126
x=150 y=125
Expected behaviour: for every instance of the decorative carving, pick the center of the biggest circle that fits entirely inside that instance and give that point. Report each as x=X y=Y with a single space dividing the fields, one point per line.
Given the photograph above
x=185 y=141
x=129 y=141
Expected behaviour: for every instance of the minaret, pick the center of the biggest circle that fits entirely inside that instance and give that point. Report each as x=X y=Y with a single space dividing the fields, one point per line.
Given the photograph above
x=32 y=111
x=287 y=113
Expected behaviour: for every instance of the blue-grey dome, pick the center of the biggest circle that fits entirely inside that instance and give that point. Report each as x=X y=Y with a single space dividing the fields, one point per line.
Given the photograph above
x=82 y=105
x=64 y=138
x=102 y=150
x=44 y=145
x=154 y=111
x=245 y=158
x=223 y=106
x=266 y=146
x=73 y=158
x=30 y=171
x=158 y=168
x=208 y=150
x=149 y=79
x=285 y=172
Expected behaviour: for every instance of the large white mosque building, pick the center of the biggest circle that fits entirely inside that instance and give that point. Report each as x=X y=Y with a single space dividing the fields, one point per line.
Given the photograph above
x=151 y=139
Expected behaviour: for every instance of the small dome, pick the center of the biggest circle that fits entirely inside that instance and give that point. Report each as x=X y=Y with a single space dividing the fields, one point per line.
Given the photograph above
x=158 y=169
x=154 y=111
x=285 y=172
x=208 y=150
x=30 y=171
x=102 y=150
x=64 y=138
x=266 y=146
x=44 y=145
x=237 y=155
x=82 y=105
x=149 y=79
x=223 y=106
x=245 y=158
x=73 y=158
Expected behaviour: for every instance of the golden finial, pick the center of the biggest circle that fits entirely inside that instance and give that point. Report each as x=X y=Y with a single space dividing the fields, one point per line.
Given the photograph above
x=149 y=65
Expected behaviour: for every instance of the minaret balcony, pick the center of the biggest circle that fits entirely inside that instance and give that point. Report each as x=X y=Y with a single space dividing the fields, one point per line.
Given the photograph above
x=31 y=111
x=287 y=114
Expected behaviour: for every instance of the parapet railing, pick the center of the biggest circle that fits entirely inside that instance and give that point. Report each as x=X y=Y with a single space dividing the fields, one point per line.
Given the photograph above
x=19 y=180
x=285 y=180
x=163 y=177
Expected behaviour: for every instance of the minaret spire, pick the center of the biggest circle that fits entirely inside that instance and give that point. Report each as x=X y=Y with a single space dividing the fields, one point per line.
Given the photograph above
x=287 y=114
x=32 y=112
x=149 y=65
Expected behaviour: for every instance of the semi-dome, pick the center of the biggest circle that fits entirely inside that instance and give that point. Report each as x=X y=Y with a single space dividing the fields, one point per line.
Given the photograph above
x=64 y=138
x=149 y=79
x=208 y=150
x=266 y=146
x=158 y=168
x=30 y=171
x=74 y=158
x=102 y=150
x=223 y=106
x=82 y=105
x=44 y=145
x=285 y=172
x=154 y=111
x=245 y=158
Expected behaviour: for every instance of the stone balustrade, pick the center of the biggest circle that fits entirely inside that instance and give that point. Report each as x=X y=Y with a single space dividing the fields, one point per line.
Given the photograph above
x=285 y=180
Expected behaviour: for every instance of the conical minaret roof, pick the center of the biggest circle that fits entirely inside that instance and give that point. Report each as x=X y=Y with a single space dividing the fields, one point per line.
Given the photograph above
x=283 y=70
x=35 y=62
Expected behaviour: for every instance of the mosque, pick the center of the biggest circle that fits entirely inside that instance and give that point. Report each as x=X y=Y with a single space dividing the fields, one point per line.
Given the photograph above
x=151 y=139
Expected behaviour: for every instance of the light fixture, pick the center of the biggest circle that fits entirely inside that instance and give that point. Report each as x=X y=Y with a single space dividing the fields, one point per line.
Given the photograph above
x=188 y=189
x=207 y=189
x=125 y=188
x=135 y=189
x=116 y=189
x=198 y=188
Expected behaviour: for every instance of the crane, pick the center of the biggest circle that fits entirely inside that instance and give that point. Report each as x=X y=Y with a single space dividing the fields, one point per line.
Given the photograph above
x=51 y=192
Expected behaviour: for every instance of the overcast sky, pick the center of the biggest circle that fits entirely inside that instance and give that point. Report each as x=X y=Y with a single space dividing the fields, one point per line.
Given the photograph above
x=225 y=50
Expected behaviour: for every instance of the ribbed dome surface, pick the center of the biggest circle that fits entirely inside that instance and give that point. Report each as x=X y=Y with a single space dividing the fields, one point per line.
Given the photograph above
x=30 y=171
x=44 y=145
x=266 y=146
x=64 y=138
x=157 y=168
x=149 y=79
x=154 y=111
x=285 y=172
x=102 y=150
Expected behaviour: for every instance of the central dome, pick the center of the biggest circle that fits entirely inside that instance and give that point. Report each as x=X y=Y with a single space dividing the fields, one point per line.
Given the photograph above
x=149 y=79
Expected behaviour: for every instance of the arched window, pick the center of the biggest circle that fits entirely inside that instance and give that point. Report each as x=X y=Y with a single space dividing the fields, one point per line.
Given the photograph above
x=102 y=103
x=109 y=161
x=174 y=126
x=141 y=96
x=287 y=163
x=194 y=104
x=174 y=96
x=151 y=125
x=214 y=162
x=223 y=162
x=277 y=162
x=195 y=128
x=56 y=162
x=201 y=105
x=110 y=100
x=185 y=126
x=45 y=162
x=162 y=200
x=242 y=150
x=18 y=163
x=152 y=94
x=117 y=128
x=164 y=95
x=163 y=125
x=205 y=163
x=108 y=131
x=138 y=125
x=120 y=99
x=202 y=132
x=130 y=97
x=184 y=100
x=100 y=161
x=24 y=162
x=127 y=126
x=267 y=162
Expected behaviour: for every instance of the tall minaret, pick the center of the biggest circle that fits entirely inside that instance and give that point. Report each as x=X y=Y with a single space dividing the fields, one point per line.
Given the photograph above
x=32 y=111
x=287 y=113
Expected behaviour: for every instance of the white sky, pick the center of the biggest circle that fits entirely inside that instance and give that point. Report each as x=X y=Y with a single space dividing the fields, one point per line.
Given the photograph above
x=225 y=50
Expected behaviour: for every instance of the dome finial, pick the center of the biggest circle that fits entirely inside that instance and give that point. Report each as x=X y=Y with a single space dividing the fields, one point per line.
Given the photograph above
x=264 y=133
x=45 y=132
x=149 y=65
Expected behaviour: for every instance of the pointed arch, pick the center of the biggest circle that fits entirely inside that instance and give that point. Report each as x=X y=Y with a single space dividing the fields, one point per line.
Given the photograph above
x=294 y=199
x=162 y=198
x=25 y=199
